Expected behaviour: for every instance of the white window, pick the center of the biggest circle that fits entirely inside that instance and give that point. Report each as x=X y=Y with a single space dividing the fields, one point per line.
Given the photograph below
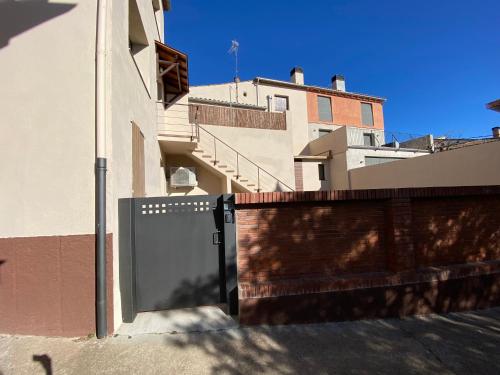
x=280 y=103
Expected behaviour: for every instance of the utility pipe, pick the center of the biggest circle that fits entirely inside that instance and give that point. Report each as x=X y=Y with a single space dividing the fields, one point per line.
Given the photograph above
x=100 y=171
x=257 y=90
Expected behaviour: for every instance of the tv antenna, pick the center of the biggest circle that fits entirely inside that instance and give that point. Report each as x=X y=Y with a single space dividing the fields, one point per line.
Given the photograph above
x=234 y=50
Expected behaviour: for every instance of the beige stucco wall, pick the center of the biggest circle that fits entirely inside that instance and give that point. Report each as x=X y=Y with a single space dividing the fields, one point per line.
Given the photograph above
x=255 y=94
x=356 y=156
x=209 y=182
x=467 y=166
x=130 y=99
x=345 y=158
x=47 y=144
x=269 y=149
x=310 y=174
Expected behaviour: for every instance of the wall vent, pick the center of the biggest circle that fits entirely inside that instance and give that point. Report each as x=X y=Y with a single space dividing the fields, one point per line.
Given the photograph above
x=183 y=177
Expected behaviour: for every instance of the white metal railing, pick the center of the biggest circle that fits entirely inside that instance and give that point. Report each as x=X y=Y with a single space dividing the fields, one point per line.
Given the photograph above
x=174 y=121
x=384 y=138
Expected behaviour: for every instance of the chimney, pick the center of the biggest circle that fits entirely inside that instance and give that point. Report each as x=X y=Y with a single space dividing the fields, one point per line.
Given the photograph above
x=338 y=82
x=297 y=75
x=496 y=132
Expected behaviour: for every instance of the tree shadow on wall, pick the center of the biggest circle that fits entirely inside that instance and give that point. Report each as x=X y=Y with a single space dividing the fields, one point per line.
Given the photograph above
x=190 y=293
x=456 y=230
x=342 y=240
x=17 y=17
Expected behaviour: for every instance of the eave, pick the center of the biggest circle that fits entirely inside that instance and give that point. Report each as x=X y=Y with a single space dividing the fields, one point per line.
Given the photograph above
x=172 y=71
x=319 y=90
x=494 y=105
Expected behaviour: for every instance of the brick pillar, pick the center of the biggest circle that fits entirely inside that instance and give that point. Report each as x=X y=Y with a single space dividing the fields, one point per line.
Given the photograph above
x=399 y=236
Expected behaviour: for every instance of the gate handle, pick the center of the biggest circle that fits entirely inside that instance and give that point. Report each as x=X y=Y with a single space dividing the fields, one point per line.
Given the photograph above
x=216 y=238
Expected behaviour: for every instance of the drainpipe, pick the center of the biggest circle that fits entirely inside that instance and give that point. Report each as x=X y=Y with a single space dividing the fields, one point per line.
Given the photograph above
x=257 y=90
x=100 y=172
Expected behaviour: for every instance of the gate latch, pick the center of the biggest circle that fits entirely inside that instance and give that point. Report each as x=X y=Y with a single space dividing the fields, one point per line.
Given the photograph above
x=216 y=238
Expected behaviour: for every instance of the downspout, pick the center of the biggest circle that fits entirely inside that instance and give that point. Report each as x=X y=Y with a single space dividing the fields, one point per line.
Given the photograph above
x=100 y=171
x=257 y=90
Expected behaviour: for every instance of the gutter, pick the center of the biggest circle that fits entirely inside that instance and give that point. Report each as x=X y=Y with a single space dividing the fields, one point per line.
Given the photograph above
x=100 y=172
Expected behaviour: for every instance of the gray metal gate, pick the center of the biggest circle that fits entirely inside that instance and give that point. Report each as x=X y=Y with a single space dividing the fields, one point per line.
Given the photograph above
x=176 y=252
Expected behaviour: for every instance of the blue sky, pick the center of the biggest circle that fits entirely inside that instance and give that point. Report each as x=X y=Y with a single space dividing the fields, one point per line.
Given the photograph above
x=436 y=62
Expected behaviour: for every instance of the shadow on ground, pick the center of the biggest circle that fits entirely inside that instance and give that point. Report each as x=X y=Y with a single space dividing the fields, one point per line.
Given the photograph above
x=464 y=343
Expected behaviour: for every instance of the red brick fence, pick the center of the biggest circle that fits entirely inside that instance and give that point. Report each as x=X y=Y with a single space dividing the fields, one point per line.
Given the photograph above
x=341 y=255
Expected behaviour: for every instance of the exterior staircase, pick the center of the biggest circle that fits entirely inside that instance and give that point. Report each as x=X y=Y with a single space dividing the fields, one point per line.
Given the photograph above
x=214 y=153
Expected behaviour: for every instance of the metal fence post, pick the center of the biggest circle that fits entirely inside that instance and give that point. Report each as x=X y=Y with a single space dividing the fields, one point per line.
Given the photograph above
x=215 y=151
x=237 y=166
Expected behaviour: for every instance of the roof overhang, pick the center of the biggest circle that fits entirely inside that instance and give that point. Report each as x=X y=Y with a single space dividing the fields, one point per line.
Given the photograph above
x=173 y=72
x=319 y=90
x=494 y=105
x=225 y=104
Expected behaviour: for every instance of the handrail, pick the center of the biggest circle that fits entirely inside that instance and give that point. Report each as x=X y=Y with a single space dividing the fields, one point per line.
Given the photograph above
x=243 y=156
x=197 y=128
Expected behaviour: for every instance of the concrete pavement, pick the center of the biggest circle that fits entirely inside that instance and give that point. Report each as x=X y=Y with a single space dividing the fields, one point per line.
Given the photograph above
x=465 y=343
x=198 y=319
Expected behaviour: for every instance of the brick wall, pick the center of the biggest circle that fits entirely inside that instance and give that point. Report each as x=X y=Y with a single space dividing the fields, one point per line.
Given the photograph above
x=456 y=230
x=346 y=110
x=317 y=246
